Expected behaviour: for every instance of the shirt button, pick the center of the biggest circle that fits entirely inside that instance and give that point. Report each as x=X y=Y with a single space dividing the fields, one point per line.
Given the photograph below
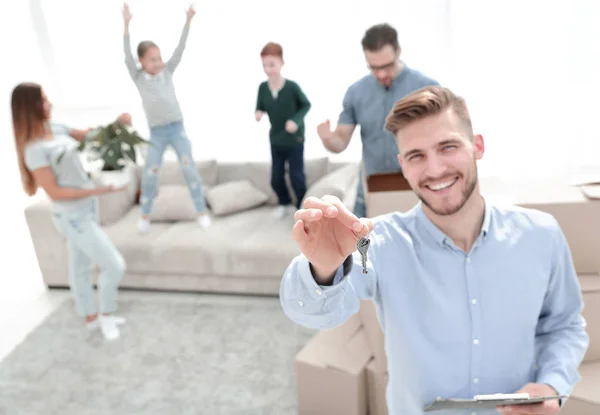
x=475 y=380
x=319 y=292
x=300 y=303
x=468 y=260
x=475 y=341
x=474 y=301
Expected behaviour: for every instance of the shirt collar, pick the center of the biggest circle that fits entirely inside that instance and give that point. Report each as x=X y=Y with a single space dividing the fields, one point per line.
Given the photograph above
x=439 y=236
x=157 y=76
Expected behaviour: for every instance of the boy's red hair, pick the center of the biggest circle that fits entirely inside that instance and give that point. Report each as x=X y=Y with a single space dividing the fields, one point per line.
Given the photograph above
x=272 y=49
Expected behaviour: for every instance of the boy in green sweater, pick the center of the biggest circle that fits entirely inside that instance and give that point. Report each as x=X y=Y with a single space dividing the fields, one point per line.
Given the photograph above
x=286 y=105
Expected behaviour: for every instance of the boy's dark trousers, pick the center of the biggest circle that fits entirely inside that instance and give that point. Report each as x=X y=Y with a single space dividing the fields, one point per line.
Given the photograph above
x=295 y=158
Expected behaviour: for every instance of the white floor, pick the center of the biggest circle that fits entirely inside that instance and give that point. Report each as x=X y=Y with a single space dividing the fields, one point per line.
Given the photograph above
x=28 y=307
x=24 y=300
x=24 y=313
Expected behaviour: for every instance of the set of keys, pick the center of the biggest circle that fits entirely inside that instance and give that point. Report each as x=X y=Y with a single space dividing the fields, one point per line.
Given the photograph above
x=362 y=246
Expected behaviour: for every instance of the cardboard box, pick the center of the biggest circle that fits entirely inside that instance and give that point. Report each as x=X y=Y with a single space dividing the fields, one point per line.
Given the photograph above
x=377 y=380
x=578 y=216
x=590 y=287
x=387 y=192
x=585 y=398
x=331 y=371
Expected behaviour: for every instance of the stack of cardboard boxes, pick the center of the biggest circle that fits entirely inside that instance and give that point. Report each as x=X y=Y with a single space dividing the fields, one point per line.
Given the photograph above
x=344 y=370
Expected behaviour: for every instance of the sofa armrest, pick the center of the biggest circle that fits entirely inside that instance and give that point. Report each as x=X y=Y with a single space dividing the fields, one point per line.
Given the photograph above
x=49 y=245
x=114 y=205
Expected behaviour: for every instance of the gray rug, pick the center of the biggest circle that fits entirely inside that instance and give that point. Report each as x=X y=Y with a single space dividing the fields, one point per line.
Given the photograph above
x=176 y=355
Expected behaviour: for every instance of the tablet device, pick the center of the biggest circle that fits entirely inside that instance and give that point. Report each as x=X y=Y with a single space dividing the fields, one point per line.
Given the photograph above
x=489 y=401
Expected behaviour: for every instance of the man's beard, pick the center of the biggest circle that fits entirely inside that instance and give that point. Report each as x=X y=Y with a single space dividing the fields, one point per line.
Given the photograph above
x=469 y=189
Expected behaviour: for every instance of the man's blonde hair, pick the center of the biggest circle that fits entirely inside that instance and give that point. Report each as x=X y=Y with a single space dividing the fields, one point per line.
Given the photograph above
x=431 y=100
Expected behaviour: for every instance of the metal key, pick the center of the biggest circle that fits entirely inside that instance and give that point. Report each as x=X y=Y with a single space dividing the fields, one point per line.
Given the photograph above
x=363 y=246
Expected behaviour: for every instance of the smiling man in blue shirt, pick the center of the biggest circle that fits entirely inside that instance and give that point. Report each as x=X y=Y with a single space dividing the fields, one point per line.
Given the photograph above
x=473 y=298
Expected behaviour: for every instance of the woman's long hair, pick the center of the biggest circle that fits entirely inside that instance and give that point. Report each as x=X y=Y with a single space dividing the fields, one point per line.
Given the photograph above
x=28 y=117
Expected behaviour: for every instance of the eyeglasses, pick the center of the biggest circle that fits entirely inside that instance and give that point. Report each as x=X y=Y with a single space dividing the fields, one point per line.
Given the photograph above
x=386 y=67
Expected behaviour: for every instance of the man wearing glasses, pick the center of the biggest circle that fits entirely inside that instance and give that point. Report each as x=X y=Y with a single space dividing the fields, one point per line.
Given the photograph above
x=368 y=101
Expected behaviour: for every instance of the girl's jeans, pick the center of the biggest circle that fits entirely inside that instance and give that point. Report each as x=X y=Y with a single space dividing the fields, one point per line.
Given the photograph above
x=88 y=245
x=174 y=135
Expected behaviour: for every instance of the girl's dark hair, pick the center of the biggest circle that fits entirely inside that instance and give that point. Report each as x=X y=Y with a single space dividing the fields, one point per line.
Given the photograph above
x=144 y=46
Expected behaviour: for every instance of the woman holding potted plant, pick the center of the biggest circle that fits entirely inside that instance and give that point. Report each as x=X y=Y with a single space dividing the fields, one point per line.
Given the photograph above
x=39 y=145
x=154 y=82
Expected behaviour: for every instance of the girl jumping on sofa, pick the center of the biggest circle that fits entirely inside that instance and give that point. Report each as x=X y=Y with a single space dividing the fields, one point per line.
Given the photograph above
x=154 y=82
x=48 y=158
x=286 y=105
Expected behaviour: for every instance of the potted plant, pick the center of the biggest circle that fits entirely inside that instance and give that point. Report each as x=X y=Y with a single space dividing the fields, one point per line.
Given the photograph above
x=113 y=147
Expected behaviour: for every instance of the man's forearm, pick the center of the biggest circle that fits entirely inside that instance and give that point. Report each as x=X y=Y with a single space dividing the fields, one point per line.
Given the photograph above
x=335 y=144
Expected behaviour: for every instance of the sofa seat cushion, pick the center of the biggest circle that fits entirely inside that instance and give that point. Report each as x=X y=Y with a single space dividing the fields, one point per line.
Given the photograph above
x=244 y=244
x=251 y=243
x=266 y=250
x=156 y=251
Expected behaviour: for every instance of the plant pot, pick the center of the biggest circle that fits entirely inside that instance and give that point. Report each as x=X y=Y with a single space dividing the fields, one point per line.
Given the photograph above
x=115 y=178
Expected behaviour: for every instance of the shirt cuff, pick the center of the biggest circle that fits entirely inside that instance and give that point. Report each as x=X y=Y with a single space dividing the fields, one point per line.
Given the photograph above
x=557 y=382
x=315 y=290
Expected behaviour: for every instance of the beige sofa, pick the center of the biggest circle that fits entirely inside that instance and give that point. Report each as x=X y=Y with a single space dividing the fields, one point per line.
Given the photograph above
x=246 y=250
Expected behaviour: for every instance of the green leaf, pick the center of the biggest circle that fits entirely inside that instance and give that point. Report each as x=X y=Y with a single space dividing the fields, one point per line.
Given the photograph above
x=130 y=152
x=109 y=130
x=114 y=143
x=101 y=138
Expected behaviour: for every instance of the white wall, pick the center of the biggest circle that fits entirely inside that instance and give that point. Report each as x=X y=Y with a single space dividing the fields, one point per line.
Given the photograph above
x=528 y=69
x=20 y=277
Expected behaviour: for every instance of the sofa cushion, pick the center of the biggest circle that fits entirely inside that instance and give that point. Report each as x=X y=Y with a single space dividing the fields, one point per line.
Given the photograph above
x=234 y=196
x=336 y=183
x=264 y=250
x=173 y=202
x=113 y=206
x=184 y=248
x=233 y=246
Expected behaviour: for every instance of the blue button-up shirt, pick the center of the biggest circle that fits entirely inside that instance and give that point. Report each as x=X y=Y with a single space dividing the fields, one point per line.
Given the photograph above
x=367 y=103
x=458 y=324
